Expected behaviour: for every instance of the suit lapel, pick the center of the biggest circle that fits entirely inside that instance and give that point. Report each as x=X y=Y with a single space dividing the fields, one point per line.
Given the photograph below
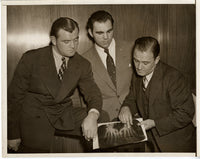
x=139 y=95
x=100 y=69
x=120 y=63
x=70 y=78
x=156 y=84
x=48 y=72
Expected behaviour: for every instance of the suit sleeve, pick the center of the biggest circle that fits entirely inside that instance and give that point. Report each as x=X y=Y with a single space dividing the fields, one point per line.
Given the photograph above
x=89 y=89
x=181 y=105
x=130 y=99
x=16 y=94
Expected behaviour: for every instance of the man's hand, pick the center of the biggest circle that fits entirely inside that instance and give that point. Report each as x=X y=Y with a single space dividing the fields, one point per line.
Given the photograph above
x=148 y=124
x=89 y=125
x=14 y=144
x=125 y=116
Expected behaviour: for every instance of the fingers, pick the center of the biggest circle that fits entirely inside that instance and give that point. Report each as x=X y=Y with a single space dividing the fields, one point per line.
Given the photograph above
x=14 y=144
x=148 y=124
x=130 y=119
x=85 y=133
x=140 y=123
x=15 y=148
x=126 y=117
x=122 y=118
x=89 y=134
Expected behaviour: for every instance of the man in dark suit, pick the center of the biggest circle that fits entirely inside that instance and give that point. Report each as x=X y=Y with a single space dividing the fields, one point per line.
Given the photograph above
x=162 y=97
x=39 y=95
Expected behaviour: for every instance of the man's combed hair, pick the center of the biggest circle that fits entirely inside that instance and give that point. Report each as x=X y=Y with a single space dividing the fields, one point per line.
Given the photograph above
x=99 y=16
x=65 y=23
x=146 y=43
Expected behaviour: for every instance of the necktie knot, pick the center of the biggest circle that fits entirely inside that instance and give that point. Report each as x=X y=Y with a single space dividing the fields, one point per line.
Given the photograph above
x=106 y=50
x=63 y=59
x=145 y=82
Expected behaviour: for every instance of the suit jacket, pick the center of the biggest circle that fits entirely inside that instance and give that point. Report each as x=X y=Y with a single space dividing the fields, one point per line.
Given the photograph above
x=170 y=105
x=38 y=102
x=112 y=96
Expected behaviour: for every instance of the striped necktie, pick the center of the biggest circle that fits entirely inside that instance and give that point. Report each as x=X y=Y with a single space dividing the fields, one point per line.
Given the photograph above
x=62 y=69
x=110 y=67
x=145 y=83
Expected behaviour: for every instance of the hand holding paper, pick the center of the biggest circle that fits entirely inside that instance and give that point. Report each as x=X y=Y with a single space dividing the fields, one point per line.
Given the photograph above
x=89 y=126
x=148 y=124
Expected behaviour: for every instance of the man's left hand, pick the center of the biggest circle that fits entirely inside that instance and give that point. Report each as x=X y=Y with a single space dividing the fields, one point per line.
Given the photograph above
x=148 y=124
x=89 y=125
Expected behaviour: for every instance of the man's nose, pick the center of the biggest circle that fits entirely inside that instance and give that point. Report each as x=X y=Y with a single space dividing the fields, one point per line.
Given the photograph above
x=72 y=44
x=105 y=36
x=140 y=66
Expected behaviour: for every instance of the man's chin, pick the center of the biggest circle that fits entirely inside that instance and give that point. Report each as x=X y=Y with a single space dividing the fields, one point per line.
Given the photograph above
x=71 y=54
x=140 y=73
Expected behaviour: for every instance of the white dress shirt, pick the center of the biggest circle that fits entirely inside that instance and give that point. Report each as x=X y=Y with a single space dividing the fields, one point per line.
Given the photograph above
x=58 y=59
x=103 y=55
x=148 y=78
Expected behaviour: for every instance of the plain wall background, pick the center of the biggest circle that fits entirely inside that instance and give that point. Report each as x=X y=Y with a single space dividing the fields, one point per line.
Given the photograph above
x=173 y=25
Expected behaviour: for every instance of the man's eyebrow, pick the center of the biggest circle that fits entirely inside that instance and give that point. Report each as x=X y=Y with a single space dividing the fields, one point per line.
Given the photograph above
x=110 y=29
x=140 y=61
x=103 y=32
x=72 y=39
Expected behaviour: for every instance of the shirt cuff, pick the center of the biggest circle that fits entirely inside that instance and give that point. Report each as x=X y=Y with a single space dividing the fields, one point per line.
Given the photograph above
x=94 y=110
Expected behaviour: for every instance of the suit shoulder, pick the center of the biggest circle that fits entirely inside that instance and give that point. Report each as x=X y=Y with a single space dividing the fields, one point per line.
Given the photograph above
x=35 y=53
x=87 y=54
x=169 y=69
x=82 y=59
x=171 y=73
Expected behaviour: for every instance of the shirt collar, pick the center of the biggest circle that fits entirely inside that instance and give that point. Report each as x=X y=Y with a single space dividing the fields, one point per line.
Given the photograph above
x=56 y=54
x=149 y=76
x=111 y=46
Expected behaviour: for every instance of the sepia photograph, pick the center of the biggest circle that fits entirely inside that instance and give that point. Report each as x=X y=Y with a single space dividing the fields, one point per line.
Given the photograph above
x=74 y=73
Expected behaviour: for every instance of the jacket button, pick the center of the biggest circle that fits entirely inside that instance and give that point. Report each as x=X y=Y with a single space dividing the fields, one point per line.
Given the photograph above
x=117 y=109
x=37 y=116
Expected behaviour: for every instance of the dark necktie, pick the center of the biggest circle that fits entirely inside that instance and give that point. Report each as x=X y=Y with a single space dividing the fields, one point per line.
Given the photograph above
x=62 y=69
x=110 y=67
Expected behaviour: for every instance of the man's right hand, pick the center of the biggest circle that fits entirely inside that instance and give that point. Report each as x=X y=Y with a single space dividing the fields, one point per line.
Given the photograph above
x=14 y=144
x=125 y=116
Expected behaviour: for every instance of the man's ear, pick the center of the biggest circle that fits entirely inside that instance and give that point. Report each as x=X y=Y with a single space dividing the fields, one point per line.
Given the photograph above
x=157 y=59
x=53 y=40
x=90 y=32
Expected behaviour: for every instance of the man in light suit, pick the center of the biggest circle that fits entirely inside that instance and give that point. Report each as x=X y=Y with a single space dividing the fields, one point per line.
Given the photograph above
x=100 y=29
x=114 y=87
x=162 y=97
x=39 y=95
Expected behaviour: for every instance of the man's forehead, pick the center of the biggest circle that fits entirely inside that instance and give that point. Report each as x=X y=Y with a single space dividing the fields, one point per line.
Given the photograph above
x=102 y=23
x=143 y=53
x=63 y=32
x=70 y=31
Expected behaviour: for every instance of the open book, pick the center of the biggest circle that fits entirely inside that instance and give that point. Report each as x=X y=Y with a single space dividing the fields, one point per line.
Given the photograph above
x=116 y=133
